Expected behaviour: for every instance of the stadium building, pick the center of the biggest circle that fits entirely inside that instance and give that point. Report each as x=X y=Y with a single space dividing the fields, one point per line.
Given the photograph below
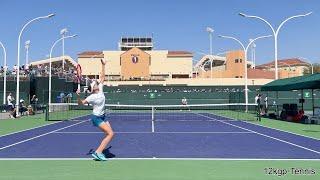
x=287 y=67
x=137 y=60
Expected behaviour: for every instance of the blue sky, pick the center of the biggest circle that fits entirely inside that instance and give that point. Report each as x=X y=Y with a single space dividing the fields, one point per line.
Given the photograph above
x=175 y=24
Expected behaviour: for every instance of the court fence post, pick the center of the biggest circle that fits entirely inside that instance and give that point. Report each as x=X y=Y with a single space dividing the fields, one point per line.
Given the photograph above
x=47 y=113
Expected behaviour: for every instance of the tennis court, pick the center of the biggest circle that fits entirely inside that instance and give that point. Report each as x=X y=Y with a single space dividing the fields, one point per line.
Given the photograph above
x=159 y=132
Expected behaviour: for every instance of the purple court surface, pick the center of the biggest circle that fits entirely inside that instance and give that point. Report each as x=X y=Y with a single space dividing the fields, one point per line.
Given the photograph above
x=171 y=135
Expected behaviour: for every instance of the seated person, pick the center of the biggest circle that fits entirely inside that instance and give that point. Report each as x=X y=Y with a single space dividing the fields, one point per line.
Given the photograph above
x=22 y=107
x=13 y=113
x=300 y=117
x=30 y=110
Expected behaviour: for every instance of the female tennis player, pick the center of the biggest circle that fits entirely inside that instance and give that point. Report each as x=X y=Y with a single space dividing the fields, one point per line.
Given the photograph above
x=97 y=100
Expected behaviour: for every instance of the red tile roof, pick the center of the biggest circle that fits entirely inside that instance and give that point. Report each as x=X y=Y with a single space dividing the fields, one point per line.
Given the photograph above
x=284 y=62
x=179 y=54
x=97 y=54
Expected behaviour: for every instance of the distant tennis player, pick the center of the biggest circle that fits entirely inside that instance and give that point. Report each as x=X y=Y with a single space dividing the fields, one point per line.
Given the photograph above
x=184 y=102
x=97 y=100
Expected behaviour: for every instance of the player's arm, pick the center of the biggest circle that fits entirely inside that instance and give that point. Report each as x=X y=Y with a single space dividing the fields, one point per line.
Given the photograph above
x=103 y=68
x=80 y=101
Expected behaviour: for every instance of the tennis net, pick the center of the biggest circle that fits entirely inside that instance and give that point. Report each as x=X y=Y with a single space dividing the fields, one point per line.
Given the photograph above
x=194 y=112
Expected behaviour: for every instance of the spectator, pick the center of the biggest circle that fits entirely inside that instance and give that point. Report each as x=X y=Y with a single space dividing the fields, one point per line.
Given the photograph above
x=22 y=107
x=30 y=110
x=15 y=69
x=34 y=103
x=62 y=96
x=257 y=99
x=266 y=103
x=10 y=106
x=69 y=97
x=13 y=113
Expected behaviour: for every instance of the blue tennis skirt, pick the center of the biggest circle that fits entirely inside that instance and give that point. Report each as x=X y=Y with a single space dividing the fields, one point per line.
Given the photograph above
x=97 y=120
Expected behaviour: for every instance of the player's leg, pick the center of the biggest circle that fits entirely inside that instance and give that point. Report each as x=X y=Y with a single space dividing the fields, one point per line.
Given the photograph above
x=106 y=128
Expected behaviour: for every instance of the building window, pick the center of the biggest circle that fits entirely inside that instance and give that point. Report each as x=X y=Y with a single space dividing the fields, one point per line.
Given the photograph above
x=240 y=60
x=124 y=40
x=236 y=60
x=237 y=76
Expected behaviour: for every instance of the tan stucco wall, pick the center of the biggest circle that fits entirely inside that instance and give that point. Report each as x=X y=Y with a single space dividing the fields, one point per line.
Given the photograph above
x=160 y=63
x=234 y=69
x=90 y=66
x=113 y=62
x=285 y=72
x=139 y=69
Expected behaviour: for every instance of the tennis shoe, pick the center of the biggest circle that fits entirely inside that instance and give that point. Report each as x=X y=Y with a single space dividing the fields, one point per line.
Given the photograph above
x=99 y=156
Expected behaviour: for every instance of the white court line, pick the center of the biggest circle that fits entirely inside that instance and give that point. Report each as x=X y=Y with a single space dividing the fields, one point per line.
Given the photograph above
x=163 y=132
x=129 y=115
x=175 y=159
x=152 y=126
x=31 y=128
x=162 y=120
x=35 y=137
x=283 y=130
x=43 y=126
x=270 y=127
x=184 y=120
x=293 y=144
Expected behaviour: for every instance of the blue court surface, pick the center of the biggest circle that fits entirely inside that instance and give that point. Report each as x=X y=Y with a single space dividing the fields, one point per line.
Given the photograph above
x=171 y=135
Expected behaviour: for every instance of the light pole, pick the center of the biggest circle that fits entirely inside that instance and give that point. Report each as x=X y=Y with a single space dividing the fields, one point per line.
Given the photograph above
x=275 y=34
x=245 y=49
x=50 y=64
x=18 y=56
x=27 y=46
x=210 y=31
x=4 y=72
x=253 y=53
x=63 y=33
